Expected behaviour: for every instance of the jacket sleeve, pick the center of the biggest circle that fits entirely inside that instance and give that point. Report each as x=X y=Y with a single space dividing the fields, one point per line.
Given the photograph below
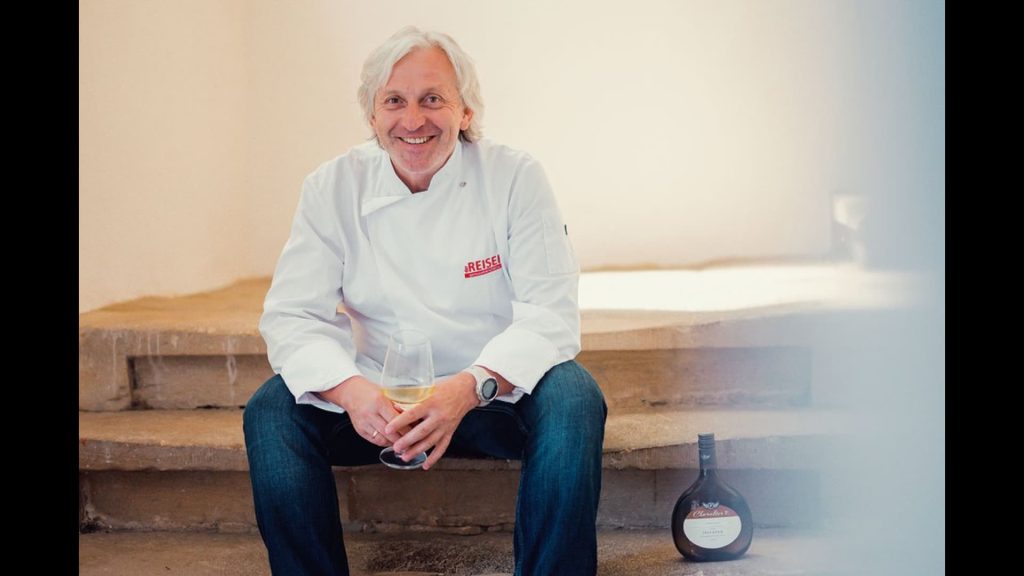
x=545 y=328
x=309 y=343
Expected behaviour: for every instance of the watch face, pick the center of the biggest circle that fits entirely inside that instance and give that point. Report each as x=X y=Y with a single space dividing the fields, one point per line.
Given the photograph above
x=489 y=388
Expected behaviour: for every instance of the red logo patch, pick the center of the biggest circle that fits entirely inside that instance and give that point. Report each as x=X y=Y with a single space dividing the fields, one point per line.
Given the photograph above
x=481 y=267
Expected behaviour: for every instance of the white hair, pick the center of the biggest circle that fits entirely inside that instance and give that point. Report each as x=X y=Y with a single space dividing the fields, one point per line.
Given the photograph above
x=379 y=64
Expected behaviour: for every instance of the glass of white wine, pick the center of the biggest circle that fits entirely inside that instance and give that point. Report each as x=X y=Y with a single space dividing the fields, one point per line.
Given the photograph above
x=407 y=379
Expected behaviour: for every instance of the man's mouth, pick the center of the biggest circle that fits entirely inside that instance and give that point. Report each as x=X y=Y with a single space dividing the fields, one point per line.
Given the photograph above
x=420 y=140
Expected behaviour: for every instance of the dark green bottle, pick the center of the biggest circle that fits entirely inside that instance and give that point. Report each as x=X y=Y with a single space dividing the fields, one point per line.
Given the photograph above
x=711 y=520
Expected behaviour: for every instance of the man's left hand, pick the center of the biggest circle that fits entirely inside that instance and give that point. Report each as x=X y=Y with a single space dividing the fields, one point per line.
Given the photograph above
x=439 y=416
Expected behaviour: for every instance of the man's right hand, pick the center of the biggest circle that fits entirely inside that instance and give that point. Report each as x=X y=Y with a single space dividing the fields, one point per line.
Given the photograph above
x=368 y=408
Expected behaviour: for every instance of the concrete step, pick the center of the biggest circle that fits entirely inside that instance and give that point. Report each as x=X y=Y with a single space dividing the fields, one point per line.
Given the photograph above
x=186 y=470
x=620 y=553
x=204 y=350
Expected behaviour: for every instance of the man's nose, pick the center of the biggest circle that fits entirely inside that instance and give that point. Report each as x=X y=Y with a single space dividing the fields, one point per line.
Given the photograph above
x=413 y=118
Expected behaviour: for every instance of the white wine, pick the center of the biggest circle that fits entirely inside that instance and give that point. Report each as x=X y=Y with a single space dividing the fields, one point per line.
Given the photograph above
x=406 y=379
x=411 y=394
x=711 y=520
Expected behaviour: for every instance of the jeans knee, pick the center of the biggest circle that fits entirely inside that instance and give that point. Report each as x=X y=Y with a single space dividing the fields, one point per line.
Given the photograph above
x=573 y=393
x=271 y=400
x=586 y=396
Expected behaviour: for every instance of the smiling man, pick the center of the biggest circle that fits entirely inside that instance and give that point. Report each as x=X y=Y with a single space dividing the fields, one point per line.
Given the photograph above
x=419 y=114
x=430 y=227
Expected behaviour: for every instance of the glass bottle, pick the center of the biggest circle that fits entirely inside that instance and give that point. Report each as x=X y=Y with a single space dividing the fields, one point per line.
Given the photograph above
x=711 y=520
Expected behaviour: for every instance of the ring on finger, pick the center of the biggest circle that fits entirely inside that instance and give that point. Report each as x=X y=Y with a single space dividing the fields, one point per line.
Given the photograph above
x=375 y=434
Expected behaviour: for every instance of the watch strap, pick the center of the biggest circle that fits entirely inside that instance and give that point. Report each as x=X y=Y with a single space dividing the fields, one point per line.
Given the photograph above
x=482 y=375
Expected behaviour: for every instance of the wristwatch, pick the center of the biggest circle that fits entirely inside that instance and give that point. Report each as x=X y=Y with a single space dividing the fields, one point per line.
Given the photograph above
x=486 y=385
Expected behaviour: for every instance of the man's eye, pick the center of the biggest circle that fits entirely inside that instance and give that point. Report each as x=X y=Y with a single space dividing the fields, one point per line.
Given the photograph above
x=392 y=100
x=432 y=99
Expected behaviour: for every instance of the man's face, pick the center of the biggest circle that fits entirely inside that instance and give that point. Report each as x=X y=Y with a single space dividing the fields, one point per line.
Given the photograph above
x=418 y=114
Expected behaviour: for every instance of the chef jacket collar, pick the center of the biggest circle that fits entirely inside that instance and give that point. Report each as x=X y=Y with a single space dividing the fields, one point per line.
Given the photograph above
x=391 y=189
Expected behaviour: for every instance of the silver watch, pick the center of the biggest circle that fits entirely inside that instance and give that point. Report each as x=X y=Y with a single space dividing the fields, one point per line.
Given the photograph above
x=486 y=385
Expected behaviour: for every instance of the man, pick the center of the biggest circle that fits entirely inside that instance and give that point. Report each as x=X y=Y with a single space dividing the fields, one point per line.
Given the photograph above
x=427 y=227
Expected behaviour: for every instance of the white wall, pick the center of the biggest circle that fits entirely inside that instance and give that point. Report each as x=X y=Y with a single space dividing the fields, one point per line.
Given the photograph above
x=162 y=149
x=674 y=132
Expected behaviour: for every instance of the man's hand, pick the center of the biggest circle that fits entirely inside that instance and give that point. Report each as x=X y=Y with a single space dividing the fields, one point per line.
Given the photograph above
x=440 y=413
x=368 y=408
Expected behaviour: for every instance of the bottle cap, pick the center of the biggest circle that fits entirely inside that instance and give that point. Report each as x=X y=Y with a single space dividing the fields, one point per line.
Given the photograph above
x=706 y=440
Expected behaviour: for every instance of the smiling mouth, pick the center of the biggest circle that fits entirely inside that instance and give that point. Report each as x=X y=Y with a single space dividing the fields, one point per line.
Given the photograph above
x=420 y=140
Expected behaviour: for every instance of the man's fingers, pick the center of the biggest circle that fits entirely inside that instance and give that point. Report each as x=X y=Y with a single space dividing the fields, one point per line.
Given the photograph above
x=377 y=439
x=439 y=450
x=432 y=440
x=388 y=438
x=396 y=434
x=417 y=433
x=403 y=421
x=387 y=413
x=370 y=425
x=374 y=435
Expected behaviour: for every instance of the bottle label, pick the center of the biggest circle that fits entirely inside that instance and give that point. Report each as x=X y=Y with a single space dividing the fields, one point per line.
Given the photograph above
x=712 y=525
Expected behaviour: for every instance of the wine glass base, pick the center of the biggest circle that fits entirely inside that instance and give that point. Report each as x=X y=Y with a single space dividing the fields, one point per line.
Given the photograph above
x=389 y=458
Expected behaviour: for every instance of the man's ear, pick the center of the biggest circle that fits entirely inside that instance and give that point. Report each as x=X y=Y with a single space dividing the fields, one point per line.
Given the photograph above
x=467 y=117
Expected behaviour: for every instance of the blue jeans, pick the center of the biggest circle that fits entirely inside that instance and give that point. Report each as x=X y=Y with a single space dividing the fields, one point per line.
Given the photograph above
x=557 y=432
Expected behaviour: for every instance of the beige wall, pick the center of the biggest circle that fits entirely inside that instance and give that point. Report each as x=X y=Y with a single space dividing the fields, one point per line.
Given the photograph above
x=162 y=148
x=674 y=132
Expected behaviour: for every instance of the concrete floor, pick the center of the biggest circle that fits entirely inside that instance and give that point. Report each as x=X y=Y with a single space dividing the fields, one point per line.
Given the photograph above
x=621 y=553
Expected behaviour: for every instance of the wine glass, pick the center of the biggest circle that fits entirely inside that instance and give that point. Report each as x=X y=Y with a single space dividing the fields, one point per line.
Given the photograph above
x=407 y=378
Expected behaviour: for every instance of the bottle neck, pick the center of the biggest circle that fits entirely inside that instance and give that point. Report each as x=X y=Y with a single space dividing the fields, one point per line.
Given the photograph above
x=708 y=462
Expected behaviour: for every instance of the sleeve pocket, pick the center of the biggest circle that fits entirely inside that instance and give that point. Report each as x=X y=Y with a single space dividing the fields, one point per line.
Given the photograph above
x=561 y=259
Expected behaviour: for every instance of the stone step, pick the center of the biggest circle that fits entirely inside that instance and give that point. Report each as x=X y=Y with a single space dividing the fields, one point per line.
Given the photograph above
x=664 y=439
x=775 y=552
x=187 y=470
x=630 y=379
x=204 y=350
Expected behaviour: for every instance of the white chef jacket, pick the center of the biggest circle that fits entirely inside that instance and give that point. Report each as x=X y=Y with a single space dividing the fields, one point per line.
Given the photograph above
x=480 y=261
